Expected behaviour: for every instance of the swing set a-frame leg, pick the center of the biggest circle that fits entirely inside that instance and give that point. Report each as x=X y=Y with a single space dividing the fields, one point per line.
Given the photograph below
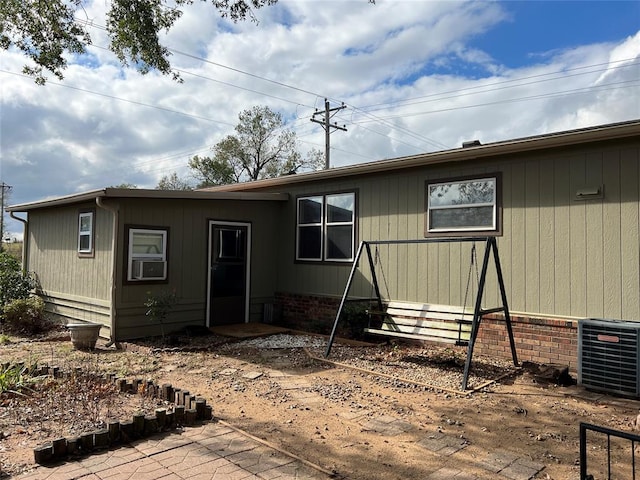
x=477 y=315
x=478 y=312
x=346 y=294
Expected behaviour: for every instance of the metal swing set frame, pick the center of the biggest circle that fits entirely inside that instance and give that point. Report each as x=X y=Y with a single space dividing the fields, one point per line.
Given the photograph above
x=491 y=247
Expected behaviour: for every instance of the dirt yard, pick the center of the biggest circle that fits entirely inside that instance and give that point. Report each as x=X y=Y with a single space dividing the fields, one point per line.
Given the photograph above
x=372 y=412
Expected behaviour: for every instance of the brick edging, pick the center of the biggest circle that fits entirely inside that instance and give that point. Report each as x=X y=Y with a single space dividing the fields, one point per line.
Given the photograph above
x=186 y=410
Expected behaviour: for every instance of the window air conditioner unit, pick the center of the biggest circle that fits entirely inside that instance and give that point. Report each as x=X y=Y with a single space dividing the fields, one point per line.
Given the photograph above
x=609 y=356
x=149 y=269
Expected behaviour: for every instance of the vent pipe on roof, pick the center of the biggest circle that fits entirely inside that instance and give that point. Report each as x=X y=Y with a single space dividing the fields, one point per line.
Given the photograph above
x=471 y=143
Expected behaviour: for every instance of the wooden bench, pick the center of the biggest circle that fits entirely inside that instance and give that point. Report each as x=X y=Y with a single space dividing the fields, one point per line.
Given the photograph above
x=423 y=321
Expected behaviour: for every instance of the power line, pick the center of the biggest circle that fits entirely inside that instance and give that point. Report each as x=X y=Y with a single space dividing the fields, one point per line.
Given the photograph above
x=125 y=100
x=477 y=89
x=407 y=102
x=578 y=91
x=362 y=110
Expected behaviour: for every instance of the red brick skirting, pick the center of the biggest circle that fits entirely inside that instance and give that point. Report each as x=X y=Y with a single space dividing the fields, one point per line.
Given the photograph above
x=538 y=339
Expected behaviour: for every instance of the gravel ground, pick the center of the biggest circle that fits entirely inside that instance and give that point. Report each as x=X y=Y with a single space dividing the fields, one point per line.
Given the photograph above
x=439 y=367
x=281 y=389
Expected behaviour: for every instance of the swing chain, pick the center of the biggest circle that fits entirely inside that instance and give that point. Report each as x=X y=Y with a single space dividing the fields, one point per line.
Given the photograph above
x=377 y=258
x=384 y=278
x=474 y=261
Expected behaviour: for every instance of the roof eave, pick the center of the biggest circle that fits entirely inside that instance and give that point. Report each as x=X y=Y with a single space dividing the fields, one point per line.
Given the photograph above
x=529 y=144
x=120 y=193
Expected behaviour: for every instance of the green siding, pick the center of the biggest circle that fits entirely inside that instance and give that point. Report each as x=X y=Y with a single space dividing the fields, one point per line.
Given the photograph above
x=69 y=282
x=560 y=256
x=188 y=224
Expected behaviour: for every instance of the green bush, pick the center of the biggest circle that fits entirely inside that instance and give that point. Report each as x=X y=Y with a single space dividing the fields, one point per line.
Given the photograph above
x=14 y=284
x=25 y=315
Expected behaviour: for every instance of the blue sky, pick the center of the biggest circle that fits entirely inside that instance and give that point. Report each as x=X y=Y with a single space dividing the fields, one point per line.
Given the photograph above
x=539 y=27
x=416 y=76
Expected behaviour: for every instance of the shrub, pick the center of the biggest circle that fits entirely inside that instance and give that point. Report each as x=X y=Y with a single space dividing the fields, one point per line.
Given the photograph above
x=159 y=305
x=14 y=284
x=25 y=315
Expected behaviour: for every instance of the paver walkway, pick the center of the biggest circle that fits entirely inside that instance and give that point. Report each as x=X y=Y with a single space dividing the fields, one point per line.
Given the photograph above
x=211 y=451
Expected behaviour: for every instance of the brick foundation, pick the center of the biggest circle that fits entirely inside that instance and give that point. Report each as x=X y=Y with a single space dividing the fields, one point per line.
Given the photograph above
x=538 y=339
x=307 y=312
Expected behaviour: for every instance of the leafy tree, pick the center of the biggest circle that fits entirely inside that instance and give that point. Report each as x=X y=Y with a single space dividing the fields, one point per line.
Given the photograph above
x=261 y=148
x=173 y=182
x=124 y=185
x=46 y=31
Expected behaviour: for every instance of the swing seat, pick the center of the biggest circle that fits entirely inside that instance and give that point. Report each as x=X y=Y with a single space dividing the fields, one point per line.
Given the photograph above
x=423 y=321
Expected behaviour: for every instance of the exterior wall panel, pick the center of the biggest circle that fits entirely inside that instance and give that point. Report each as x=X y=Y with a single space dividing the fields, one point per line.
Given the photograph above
x=64 y=271
x=630 y=222
x=560 y=264
x=66 y=279
x=188 y=225
x=612 y=235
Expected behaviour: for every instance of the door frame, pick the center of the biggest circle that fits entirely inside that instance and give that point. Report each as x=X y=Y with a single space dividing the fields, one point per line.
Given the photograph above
x=210 y=254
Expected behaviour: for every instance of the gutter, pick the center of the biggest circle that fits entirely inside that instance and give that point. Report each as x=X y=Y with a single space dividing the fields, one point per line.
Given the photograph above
x=114 y=253
x=25 y=240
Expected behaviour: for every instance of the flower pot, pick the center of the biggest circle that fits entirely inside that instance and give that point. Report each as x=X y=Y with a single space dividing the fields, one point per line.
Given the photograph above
x=84 y=335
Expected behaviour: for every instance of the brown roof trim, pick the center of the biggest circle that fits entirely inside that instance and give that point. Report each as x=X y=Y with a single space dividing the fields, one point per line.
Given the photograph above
x=521 y=145
x=148 y=194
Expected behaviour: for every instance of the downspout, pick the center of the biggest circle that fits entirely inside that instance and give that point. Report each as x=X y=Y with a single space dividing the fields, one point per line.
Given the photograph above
x=114 y=253
x=25 y=240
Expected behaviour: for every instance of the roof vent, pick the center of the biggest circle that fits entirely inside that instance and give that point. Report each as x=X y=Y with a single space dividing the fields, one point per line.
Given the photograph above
x=471 y=143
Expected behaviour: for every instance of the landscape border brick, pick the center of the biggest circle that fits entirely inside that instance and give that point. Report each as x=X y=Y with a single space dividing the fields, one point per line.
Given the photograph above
x=185 y=410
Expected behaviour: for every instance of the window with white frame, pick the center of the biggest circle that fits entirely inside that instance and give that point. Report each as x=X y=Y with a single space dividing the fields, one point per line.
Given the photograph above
x=463 y=206
x=85 y=233
x=147 y=254
x=326 y=227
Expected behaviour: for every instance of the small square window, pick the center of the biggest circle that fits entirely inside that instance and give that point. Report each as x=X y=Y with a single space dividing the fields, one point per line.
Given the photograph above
x=147 y=255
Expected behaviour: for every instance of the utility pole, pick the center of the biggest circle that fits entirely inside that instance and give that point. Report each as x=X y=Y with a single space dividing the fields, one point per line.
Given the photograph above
x=326 y=124
x=3 y=187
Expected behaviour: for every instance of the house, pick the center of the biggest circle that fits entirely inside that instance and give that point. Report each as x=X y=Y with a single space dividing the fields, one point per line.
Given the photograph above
x=565 y=208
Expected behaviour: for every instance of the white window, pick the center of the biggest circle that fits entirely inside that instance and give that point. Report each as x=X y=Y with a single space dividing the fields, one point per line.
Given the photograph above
x=85 y=232
x=463 y=206
x=325 y=228
x=147 y=257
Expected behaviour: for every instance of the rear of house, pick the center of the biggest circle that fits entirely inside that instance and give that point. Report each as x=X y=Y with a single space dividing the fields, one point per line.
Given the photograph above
x=564 y=207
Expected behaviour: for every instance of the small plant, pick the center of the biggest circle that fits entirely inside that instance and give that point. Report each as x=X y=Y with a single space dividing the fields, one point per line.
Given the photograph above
x=15 y=378
x=159 y=305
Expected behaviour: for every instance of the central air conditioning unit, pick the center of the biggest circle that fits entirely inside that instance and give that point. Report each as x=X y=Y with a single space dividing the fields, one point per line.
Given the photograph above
x=609 y=356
